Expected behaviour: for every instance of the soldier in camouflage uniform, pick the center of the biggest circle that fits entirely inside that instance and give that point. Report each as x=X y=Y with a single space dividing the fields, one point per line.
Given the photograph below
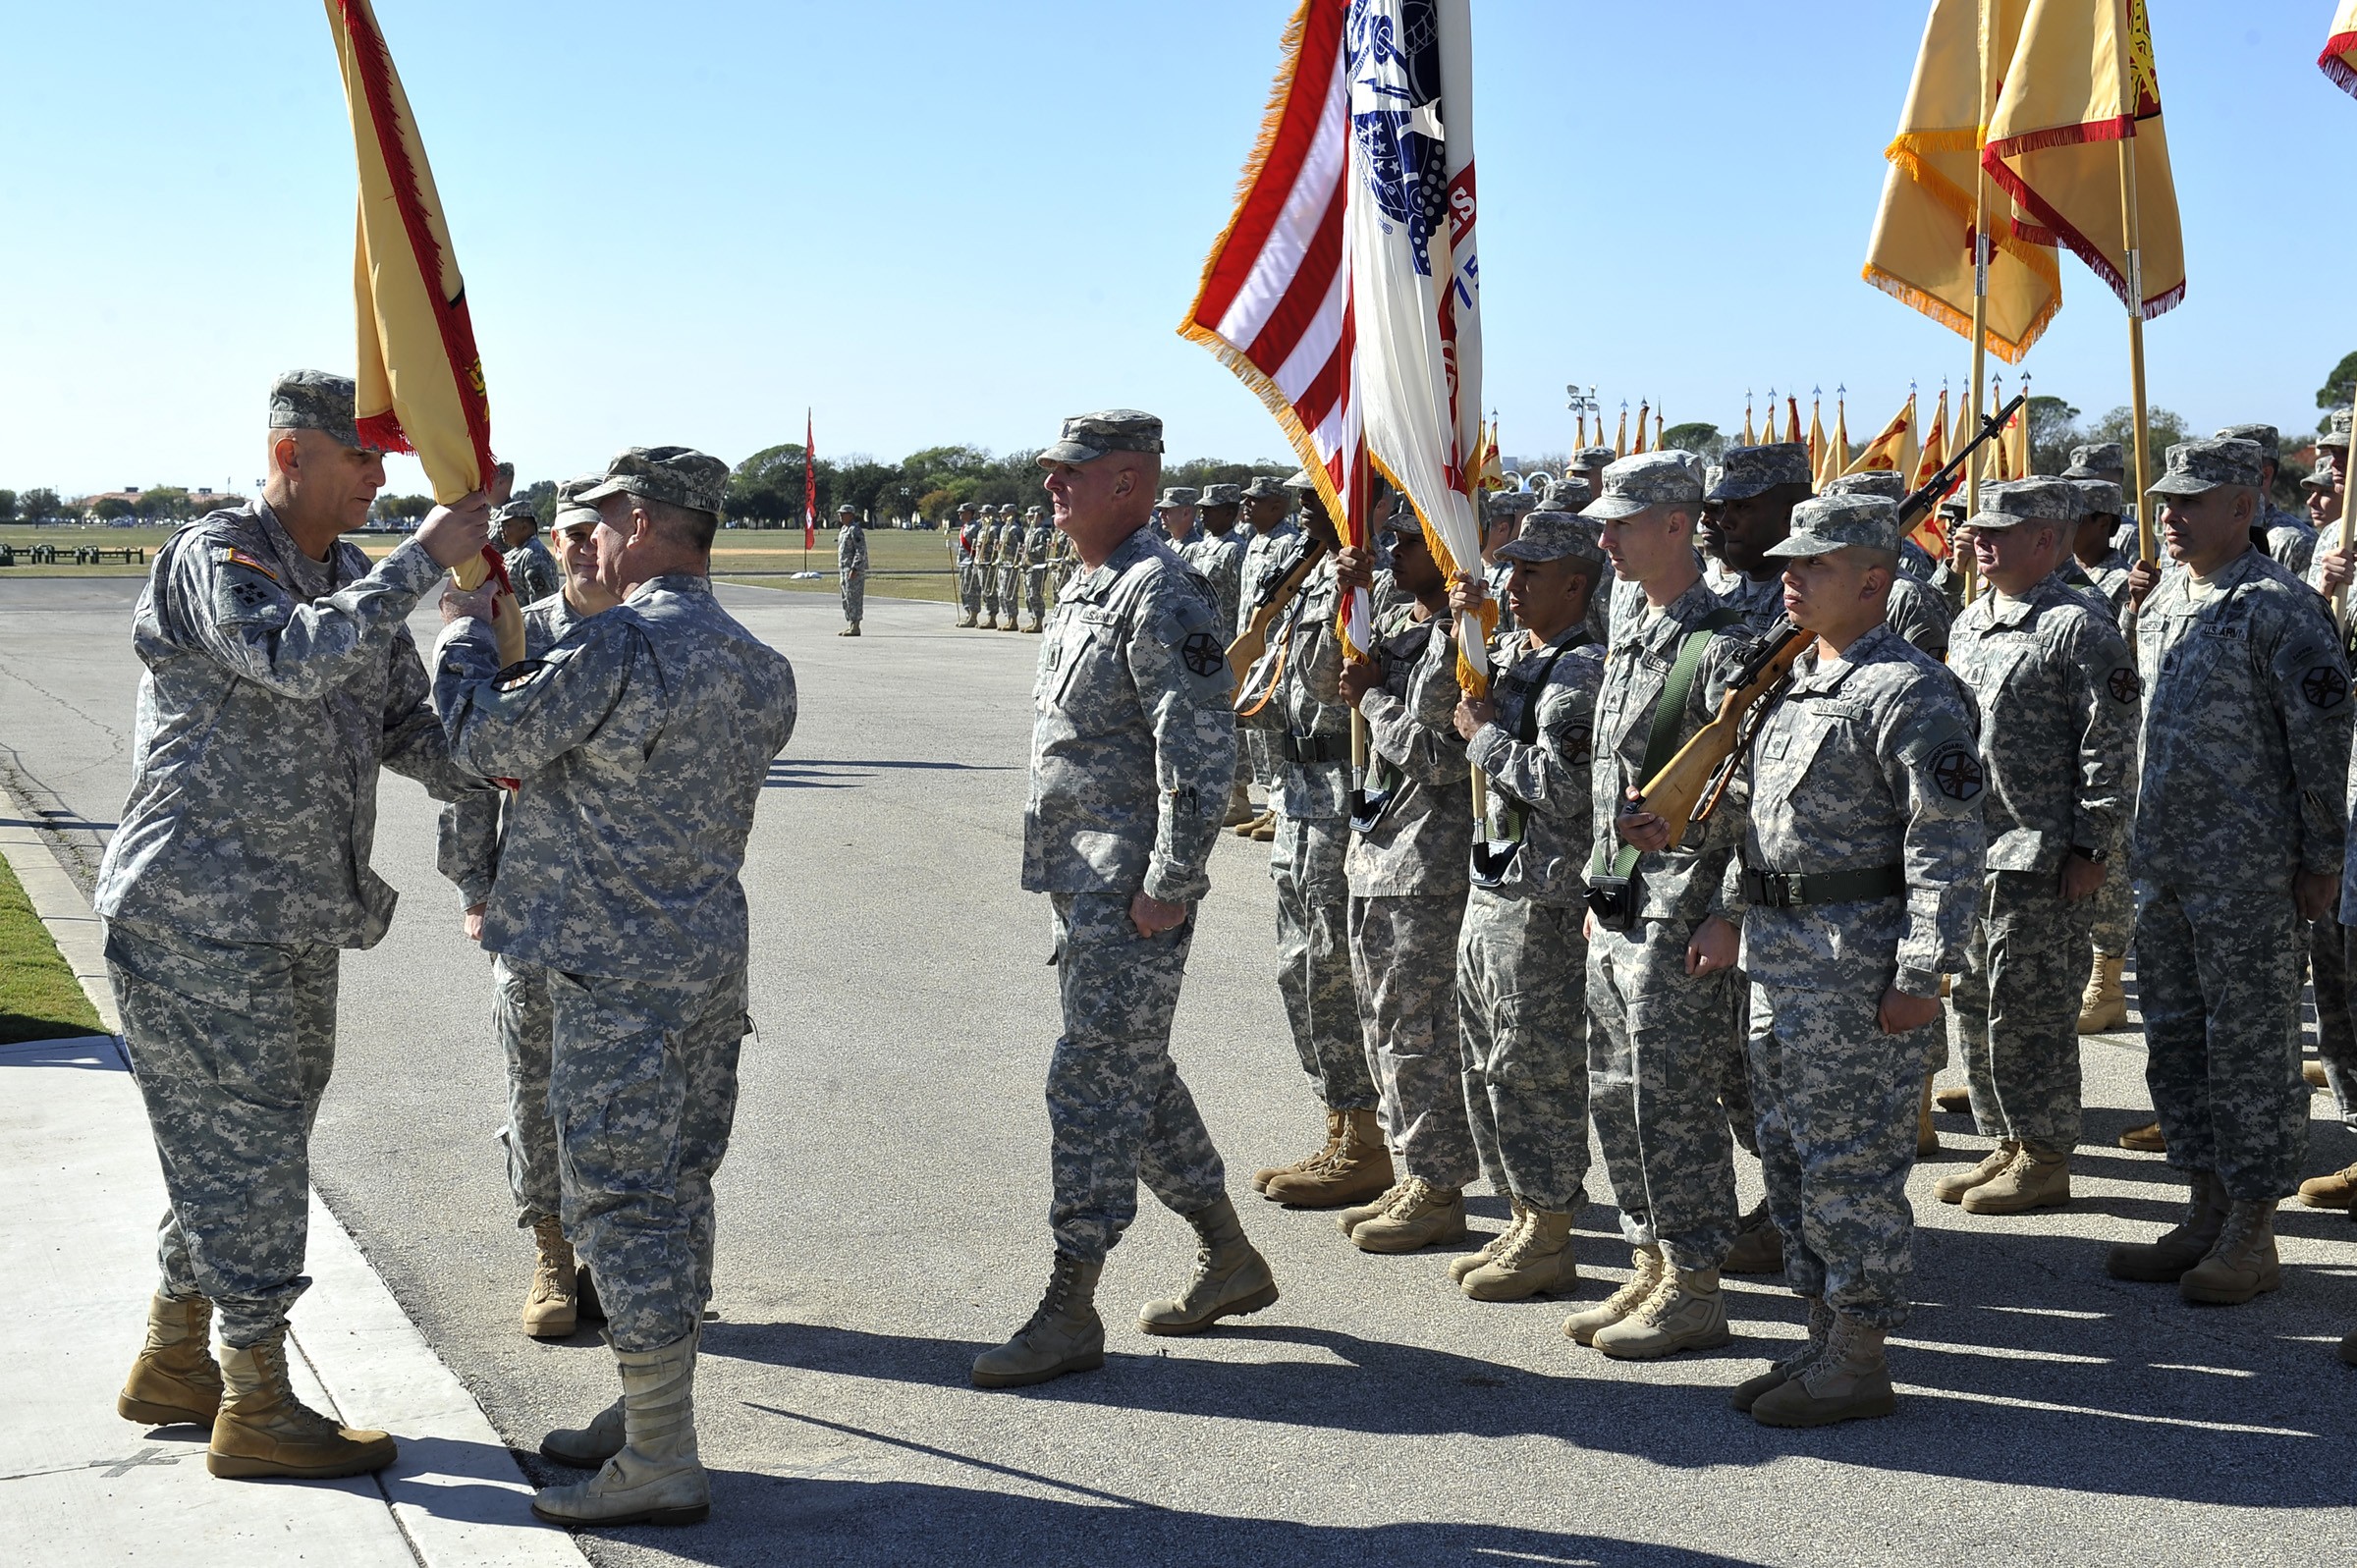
x=2290 y=541
x=1039 y=556
x=1307 y=725
x=2104 y=564
x=531 y=569
x=965 y=542
x=1747 y=510
x=2058 y=693
x=1411 y=833
x=1521 y=959
x=2335 y=1037
x=1917 y=611
x=850 y=568
x=1651 y=1012
x=560 y=1296
x=280 y=678
x=1502 y=511
x=1862 y=854
x=1218 y=552
x=1180 y=519
x=2241 y=817
x=985 y=535
x=1011 y=540
x=642 y=743
x=1132 y=746
x=1270 y=551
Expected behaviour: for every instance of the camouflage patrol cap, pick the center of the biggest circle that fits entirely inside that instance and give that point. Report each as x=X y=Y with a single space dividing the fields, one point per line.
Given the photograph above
x=966 y=506
x=1497 y=504
x=1550 y=536
x=2335 y=434
x=2267 y=437
x=1883 y=483
x=316 y=400
x=1174 y=496
x=1222 y=495
x=1826 y=523
x=847 y=506
x=1264 y=488
x=2099 y=460
x=1300 y=479
x=681 y=476
x=1570 y=493
x=1006 y=508
x=1594 y=457
x=2098 y=496
x=2197 y=467
x=572 y=509
x=1951 y=510
x=1745 y=472
x=2012 y=502
x=1648 y=479
x=2322 y=479
x=518 y=508
x=1035 y=509
x=1086 y=436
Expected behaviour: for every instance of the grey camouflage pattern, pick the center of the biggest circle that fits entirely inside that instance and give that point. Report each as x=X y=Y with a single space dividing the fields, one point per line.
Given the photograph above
x=2014 y=1010
x=532 y=572
x=1404 y=963
x=1522 y=1015
x=1313 y=957
x=851 y=571
x=521 y=1018
x=1541 y=794
x=1918 y=613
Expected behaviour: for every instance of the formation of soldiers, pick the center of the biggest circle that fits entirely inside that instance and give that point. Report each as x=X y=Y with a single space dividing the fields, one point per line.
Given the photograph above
x=1004 y=565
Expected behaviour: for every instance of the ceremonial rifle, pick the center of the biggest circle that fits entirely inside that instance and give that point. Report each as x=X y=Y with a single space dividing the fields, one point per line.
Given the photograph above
x=1687 y=789
x=1274 y=598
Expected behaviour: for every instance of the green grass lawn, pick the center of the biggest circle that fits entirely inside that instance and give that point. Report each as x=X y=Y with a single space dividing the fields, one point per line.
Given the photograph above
x=39 y=997
x=901 y=565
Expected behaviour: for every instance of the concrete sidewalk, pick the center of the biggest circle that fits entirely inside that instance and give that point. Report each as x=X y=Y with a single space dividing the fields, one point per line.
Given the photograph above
x=78 y=1483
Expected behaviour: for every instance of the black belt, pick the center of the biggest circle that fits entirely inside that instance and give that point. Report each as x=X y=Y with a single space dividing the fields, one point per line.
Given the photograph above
x=1787 y=889
x=1311 y=750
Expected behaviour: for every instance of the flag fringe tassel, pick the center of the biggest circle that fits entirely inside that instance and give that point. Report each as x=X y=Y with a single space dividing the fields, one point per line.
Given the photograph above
x=2052 y=223
x=2334 y=64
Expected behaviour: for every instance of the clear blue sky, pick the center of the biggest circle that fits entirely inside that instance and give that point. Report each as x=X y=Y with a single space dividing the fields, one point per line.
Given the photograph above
x=957 y=222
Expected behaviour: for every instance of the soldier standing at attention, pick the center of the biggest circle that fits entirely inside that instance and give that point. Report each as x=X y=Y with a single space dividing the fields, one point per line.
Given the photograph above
x=986 y=565
x=2290 y=542
x=1861 y=860
x=1039 y=553
x=1132 y=749
x=2241 y=818
x=966 y=553
x=1269 y=553
x=850 y=568
x=1521 y=960
x=280 y=678
x=1748 y=510
x=561 y=1296
x=1917 y=611
x=1177 y=510
x=1009 y=556
x=1218 y=552
x=642 y=743
x=531 y=569
x=2058 y=693
x=1411 y=833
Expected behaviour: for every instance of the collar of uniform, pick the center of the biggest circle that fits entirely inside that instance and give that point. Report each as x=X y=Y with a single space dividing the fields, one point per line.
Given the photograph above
x=282 y=544
x=1093 y=583
x=2011 y=613
x=1675 y=621
x=671 y=583
x=1815 y=678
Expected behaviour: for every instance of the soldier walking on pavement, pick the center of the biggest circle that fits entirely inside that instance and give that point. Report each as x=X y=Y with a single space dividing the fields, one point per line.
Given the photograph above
x=1861 y=861
x=1521 y=959
x=561 y=1295
x=1132 y=745
x=2241 y=818
x=531 y=569
x=280 y=679
x=850 y=568
x=641 y=742
x=2058 y=693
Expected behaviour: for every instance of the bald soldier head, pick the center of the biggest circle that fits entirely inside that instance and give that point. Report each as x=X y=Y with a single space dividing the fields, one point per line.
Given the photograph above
x=1102 y=474
x=322 y=479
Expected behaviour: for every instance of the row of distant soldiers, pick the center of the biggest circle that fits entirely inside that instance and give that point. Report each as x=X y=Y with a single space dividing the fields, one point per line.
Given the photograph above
x=1004 y=563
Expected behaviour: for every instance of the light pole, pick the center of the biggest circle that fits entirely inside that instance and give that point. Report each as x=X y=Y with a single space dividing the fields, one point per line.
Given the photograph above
x=1583 y=404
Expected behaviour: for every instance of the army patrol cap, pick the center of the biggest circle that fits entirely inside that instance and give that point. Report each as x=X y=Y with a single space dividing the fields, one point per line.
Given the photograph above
x=1174 y=496
x=1594 y=457
x=2322 y=479
x=1086 y=436
x=2013 y=501
x=1569 y=494
x=1826 y=523
x=1496 y=503
x=2098 y=496
x=1264 y=488
x=2197 y=467
x=518 y=508
x=1550 y=536
x=847 y=506
x=2337 y=434
x=2268 y=438
x=316 y=400
x=1034 y=510
x=1648 y=479
x=2101 y=460
x=1300 y=479
x=966 y=506
x=1883 y=483
x=678 y=475
x=1746 y=471
x=1953 y=509
x=1222 y=495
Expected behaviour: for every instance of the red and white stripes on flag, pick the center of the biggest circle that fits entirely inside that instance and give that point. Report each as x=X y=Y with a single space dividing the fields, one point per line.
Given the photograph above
x=1275 y=301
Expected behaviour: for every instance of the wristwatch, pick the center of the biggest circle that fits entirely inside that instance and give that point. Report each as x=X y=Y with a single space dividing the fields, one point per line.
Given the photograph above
x=2093 y=856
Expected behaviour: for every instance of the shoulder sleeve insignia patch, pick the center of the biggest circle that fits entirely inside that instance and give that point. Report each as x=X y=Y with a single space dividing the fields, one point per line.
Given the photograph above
x=1203 y=654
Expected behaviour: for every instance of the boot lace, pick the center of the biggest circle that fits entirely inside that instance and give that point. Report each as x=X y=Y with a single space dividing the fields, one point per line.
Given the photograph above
x=1059 y=1292
x=1408 y=1197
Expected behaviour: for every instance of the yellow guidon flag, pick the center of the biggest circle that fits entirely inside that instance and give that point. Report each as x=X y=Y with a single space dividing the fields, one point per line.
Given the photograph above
x=1894 y=446
x=420 y=380
x=2078 y=85
x=1922 y=250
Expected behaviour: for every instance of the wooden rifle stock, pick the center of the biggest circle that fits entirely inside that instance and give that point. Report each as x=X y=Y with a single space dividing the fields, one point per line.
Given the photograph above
x=1253 y=641
x=1675 y=794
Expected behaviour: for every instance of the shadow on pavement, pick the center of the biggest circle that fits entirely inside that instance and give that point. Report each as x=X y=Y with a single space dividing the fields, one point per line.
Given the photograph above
x=804 y=774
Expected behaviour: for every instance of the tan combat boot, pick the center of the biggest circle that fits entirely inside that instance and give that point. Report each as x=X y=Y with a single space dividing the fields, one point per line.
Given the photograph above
x=1953 y=1187
x=263 y=1429
x=1821 y=1328
x=1688 y=1311
x=2038 y=1178
x=2104 y=1004
x=2146 y=1139
x=1263 y=818
x=2164 y=1259
x=1759 y=1247
x=1239 y=808
x=1230 y=1279
x=657 y=1479
x=1357 y=1214
x=1065 y=1334
x=1422 y=1216
x=1646 y=1277
x=1535 y=1258
x=586 y=1447
x=1359 y=1167
x=1265 y=830
x=175 y=1382
x=1460 y=1267
x=1849 y=1379
x=1334 y=1120
x=2331 y=1192
x=2241 y=1263
x=1926 y=1136
x=551 y=1308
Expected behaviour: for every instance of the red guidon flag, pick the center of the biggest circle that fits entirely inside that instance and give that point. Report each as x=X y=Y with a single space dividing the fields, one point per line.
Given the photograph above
x=2339 y=59
x=1274 y=304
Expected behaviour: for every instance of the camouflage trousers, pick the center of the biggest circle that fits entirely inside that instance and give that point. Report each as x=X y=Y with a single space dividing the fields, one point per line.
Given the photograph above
x=1837 y=1107
x=232 y=1044
x=1313 y=959
x=1118 y=1110
x=1523 y=1012
x=1403 y=968
x=970 y=588
x=1258 y=752
x=1656 y=1064
x=1035 y=593
x=1010 y=591
x=2219 y=977
x=643 y=1087
x=2114 y=908
x=2014 y=1010
x=519 y=1013
x=2332 y=961
x=855 y=598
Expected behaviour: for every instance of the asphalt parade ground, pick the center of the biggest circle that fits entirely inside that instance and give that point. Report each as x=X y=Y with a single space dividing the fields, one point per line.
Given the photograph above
x=883 y=1219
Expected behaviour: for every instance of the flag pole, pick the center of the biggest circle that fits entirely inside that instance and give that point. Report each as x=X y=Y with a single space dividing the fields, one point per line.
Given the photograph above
x=2348 y=529
x=2131 y=231
x=1979 y=309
